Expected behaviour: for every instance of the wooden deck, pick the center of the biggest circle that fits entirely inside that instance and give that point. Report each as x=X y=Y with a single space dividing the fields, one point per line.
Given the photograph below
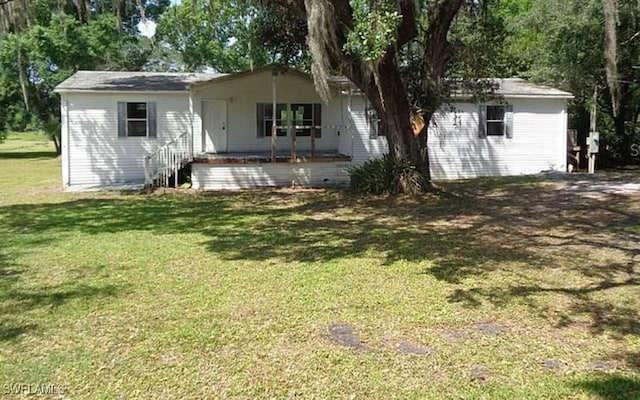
x=265 y=157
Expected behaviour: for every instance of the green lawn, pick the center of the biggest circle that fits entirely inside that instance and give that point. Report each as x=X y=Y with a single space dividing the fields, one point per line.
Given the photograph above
x=499 y=289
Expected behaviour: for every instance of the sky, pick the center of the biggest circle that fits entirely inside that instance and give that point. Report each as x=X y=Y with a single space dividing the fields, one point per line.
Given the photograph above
x=147 y=28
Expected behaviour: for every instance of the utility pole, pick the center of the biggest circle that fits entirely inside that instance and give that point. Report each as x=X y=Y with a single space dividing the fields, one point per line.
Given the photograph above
x=594 y=137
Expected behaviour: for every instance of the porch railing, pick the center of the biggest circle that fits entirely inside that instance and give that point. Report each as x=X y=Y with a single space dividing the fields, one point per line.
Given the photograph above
x=167 y=160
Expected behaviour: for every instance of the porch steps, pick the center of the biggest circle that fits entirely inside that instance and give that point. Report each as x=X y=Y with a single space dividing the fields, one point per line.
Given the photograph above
x=167 y=161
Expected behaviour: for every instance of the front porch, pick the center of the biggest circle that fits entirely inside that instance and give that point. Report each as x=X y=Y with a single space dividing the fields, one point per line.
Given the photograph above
x=258 y=157
x=245 y=170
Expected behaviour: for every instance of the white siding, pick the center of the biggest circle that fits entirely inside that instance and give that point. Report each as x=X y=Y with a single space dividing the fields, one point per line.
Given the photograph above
x=362 y=146
x=243 y=93
x=245 y=176
x=538 y=143
x=96 y=156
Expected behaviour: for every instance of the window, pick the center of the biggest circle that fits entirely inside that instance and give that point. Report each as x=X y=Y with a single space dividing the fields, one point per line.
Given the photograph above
x=137 y=119
x=300 y=115
x=282 y=120
x=496 y=120
x=304 y=117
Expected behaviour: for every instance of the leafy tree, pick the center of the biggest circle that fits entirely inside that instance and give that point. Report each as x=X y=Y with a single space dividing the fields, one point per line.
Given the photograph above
x=213 y=34
x=565 y=44
x=397 y=52
x=44 y=42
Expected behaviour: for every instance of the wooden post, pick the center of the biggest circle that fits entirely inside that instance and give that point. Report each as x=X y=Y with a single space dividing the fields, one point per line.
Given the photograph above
x=313 y=141
x=592 y=129
x=274 y=129
x=294 y=144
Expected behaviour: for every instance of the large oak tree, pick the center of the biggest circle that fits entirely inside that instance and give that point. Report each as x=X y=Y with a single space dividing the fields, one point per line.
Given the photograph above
x=395 y=52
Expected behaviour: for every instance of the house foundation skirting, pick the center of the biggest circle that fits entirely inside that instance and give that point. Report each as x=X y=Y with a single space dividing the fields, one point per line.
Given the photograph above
x=220 y=176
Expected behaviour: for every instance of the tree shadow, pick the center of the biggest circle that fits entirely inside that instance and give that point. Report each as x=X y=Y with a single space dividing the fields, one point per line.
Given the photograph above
x=31 y=155
x=581 y=230
x=467 y=232
x=18 y=300
x=611 y=387
x=292 y=227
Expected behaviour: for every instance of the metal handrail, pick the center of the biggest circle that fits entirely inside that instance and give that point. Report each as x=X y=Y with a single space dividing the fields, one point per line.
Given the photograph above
x=167 y=160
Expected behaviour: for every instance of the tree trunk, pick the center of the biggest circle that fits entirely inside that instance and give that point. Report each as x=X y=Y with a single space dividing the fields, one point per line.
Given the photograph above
x=389 y=97
x=56 y=143
x=22 y=76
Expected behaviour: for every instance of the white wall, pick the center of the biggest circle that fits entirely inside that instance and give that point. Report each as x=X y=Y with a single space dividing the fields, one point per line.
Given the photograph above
x=359 y=145
x=242 y=95
x=245 y=176
x=456 y=151
x=538 y=143
x=95 y=155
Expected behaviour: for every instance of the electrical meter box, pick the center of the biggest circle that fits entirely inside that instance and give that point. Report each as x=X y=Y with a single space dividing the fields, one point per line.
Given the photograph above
x=593 y=142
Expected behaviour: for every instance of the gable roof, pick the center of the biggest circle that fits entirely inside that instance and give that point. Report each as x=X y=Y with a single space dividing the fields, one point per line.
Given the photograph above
x=517 y=87
x=180 y=82
x=269 y=67
x=132 y=81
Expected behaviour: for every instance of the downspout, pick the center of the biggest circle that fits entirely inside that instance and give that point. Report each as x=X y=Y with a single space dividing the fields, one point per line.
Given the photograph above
x=273 y=114
x=193 y=149
x=65 y=141
x=564 y=128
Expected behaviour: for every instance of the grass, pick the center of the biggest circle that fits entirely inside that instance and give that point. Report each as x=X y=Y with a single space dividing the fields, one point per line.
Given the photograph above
x=515 y=288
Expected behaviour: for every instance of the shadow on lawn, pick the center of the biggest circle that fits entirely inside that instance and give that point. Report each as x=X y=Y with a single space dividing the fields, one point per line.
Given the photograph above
x=286 y=226
x=580 y=231
x=611 y=387
x=513 y=224
x=27 y=155
x=17 y=300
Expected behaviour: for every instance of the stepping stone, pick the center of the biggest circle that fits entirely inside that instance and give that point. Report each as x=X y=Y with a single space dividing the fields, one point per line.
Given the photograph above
x=414 y=349
x=345 y=335
x=478 y=373
x=489 y=329
x=604 y=366
x=454 y=335
x=550 y=364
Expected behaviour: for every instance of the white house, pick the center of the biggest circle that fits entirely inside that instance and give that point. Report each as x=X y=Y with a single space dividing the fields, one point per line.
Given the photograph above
x=132 y=128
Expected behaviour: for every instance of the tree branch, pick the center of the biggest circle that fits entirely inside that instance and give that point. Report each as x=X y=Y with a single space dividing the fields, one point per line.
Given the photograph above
x=438 y=50
x=407 y=29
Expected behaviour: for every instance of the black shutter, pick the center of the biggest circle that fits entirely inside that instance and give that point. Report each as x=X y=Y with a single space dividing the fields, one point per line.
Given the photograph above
x=482 y=121
x=122 y=119
x=317 y=119
x=260 y=119
x=152 y=117
x=508 y=126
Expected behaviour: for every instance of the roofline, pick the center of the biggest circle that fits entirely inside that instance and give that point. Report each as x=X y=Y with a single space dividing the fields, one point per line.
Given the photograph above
x=567 y=96
x=497 y=95
x=112 y=91
x=539 y=96
x=242 y=74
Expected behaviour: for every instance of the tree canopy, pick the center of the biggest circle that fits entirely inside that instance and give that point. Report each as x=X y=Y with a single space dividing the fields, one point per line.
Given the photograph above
x=416 y=46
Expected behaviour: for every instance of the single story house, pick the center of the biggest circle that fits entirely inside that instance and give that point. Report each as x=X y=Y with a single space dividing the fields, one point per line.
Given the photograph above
x=132 y=128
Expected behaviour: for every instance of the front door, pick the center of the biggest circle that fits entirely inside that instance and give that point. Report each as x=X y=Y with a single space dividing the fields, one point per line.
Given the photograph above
x=214 y=125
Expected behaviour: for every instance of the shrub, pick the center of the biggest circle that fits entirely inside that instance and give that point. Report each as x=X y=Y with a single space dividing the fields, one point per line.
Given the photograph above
x=386 y=175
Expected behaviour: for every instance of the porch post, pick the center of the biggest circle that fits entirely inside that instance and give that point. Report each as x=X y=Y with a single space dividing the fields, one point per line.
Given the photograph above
x=274 y=129
x=313 y=141
x=294 y=144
